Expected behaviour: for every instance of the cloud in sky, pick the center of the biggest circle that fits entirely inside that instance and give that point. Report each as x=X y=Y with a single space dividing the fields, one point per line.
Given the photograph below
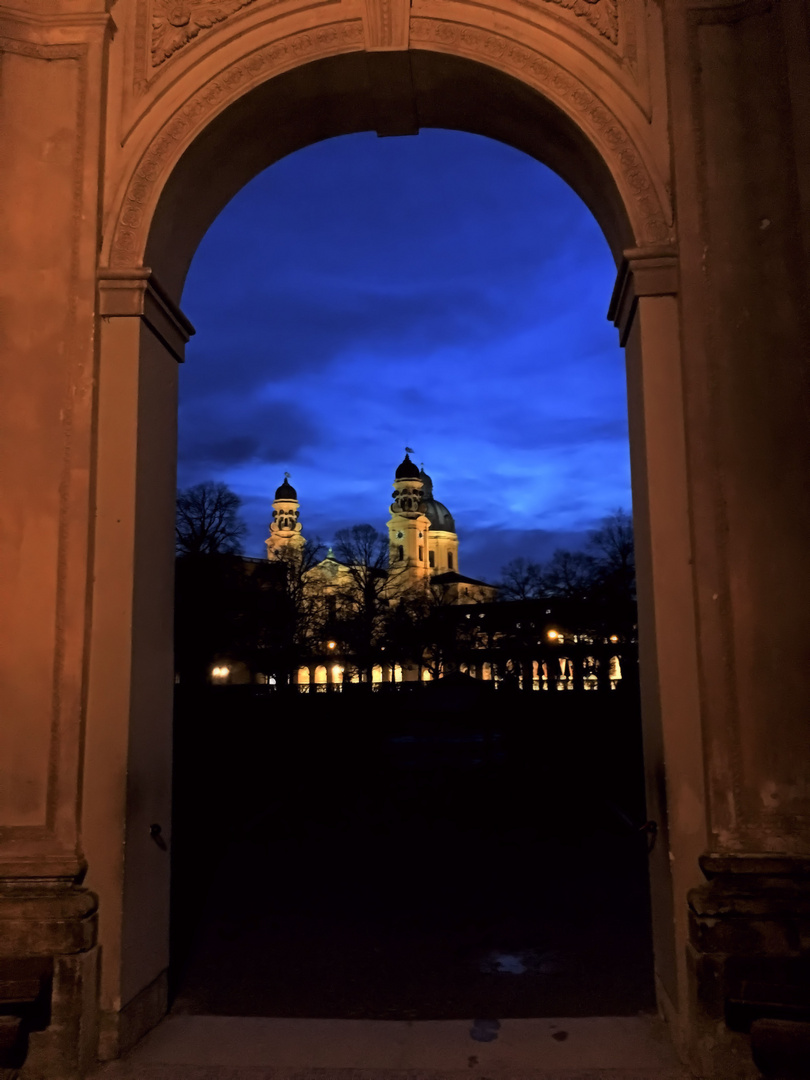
x=445 y=292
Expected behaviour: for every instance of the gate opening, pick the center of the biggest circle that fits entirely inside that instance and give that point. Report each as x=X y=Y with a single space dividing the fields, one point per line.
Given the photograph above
x=385 y=847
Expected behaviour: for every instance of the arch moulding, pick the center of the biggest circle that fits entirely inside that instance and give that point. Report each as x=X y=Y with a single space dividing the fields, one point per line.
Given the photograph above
x=581 y=99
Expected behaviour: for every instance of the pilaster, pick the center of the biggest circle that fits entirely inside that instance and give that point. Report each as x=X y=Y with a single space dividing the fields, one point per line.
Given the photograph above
x=50 y=114
x=142 y=335
x=51 y=117
x=645 y=308
x=734 y=72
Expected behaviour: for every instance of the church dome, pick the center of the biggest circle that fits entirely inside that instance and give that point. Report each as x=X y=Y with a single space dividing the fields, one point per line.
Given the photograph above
x=286 y=491
x=407 y=470
x=438 y=515
x=427 y=485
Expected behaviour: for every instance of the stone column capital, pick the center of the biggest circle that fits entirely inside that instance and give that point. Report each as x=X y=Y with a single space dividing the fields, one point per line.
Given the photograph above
x=648 y=271
x=135 y=292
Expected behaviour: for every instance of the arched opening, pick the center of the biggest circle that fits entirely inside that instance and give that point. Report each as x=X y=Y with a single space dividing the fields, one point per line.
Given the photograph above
x=485 y=764
x=323 y=98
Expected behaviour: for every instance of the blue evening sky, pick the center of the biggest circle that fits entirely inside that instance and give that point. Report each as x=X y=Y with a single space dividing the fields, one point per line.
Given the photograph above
x=444 y=292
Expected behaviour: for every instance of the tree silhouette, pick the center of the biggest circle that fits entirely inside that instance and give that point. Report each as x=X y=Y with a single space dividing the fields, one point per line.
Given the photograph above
x=427 y=628
x=207 y=520
x=362 y=599
x=613 y=550
x=292 y=615
x=572 y=575
x=521 y=579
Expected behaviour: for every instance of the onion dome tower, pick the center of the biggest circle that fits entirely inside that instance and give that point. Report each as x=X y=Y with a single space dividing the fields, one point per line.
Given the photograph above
x=442 y=537
x=285 y=528
x=408 y=527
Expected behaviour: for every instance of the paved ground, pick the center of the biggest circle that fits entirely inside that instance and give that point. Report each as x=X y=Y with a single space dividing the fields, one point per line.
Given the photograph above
x=229 y=1048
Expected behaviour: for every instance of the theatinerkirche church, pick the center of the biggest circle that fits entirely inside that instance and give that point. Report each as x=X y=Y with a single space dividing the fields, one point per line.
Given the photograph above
x=423 y=543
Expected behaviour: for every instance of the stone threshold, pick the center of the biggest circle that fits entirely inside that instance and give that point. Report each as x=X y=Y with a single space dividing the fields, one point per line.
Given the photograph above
x=258 y=1048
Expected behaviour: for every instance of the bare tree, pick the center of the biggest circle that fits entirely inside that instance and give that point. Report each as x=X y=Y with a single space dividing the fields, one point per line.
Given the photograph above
x=363 y=596
x=569 y=574
x=427 y=627
x=364 y=550
x=521 y=579
x=207 y=520
x=290 y=610
x=613 y=550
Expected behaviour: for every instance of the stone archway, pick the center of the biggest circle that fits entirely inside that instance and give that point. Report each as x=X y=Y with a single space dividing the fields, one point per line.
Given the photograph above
x=319 y=83
x=112 y=126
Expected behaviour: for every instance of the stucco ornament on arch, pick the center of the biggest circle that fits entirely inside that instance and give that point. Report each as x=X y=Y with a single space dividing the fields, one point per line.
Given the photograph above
x=603 y=15
x=649 y=219
x=174 y=23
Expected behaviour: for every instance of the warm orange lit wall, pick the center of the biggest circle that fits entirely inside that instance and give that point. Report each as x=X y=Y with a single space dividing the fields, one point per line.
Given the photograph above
x=645 y=108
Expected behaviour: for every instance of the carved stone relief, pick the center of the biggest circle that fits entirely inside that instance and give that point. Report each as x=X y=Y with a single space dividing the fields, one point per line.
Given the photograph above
x=603 y=15
x=163 y=27
x=176 y=22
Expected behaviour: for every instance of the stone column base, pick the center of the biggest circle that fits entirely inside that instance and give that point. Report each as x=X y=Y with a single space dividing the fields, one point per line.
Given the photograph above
x=749 y=954
x=49 y=961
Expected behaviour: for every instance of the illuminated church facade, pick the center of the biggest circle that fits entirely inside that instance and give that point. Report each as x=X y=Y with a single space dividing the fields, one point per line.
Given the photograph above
x=539 y=644
x=423 y=542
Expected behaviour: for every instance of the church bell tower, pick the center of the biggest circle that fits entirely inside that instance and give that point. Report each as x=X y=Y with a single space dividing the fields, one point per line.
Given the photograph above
x=408 y=527
x=285 y=528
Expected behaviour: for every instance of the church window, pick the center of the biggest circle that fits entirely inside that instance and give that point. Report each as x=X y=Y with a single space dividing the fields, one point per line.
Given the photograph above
x=421 y=556
x=450 y=560
x=432 y=558
x=401 y=550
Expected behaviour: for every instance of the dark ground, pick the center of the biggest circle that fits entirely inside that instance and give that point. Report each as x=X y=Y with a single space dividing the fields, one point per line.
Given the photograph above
x=335 y=858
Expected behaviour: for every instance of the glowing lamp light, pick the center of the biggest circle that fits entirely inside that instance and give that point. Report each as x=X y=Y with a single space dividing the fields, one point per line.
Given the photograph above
x=331 y=644
x=221 y=672
x=614 y=638
x=552 y=635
